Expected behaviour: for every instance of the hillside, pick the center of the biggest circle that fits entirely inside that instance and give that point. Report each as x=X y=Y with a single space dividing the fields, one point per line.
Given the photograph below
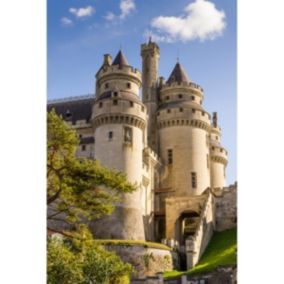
x=221 y=251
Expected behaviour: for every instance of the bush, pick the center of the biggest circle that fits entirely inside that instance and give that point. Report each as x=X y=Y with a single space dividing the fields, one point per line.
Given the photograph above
x=81 y=260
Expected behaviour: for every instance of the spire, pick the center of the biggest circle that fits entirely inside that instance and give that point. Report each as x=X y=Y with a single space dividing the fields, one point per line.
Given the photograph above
x=178 y=74
x=120 y=59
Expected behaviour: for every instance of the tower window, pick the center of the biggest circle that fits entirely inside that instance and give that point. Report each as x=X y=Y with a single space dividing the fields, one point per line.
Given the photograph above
x=193 y=98
x=115 y=94
x=131 y=104
x=110 y=135
x=216 y=137
x=170 y=156
x=167 y=98
x=203 y=113
x=128 y=134
x=100 y=105
x=193 y=110
x=201 y=102
x=168 y=111
x=181 y=109
x=115 y=102
x=128 y=85
x=193 y=180
x=142 y=108
x=83 y=147
x=106 y=85
x=180 y=96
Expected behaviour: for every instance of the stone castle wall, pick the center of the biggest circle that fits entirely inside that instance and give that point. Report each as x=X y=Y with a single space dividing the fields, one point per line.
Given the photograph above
x=225 y=204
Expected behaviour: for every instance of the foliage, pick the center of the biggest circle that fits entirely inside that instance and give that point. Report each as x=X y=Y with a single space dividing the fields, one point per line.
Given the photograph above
x=221 y=251
x=77 y=187
x=147 y=258
x=81 y=260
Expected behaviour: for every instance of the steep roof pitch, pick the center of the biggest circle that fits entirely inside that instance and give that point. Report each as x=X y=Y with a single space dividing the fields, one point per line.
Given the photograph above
x=178 y=74
x=120 y=59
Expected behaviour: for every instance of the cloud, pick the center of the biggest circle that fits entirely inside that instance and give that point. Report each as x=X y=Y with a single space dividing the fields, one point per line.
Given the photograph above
x=82 y=12
x=110 y=16
x=201 y=21
x=66 y=22
x=126 y=6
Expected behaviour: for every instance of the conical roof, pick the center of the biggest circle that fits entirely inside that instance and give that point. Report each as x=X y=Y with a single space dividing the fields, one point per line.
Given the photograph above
x=120 y=59
x=178 y=74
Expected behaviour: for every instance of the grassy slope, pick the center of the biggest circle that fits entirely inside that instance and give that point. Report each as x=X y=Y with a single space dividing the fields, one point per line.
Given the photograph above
x=220 y=252
x=133 y=243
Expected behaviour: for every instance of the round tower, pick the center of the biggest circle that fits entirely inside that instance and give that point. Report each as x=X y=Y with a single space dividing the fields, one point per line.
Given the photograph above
x=119 y=121
x=150 y=53
x=218 y=156
x=183 y=135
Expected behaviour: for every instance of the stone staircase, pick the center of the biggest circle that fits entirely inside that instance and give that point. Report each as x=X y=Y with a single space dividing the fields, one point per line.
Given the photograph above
x=197 y=242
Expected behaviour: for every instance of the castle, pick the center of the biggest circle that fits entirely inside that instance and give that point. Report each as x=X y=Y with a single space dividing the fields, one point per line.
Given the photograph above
x=166 y=143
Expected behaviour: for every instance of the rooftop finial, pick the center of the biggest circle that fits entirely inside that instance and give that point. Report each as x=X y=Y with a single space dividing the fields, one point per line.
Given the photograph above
x=120 y=47
x=150 y=38
x=178 y=56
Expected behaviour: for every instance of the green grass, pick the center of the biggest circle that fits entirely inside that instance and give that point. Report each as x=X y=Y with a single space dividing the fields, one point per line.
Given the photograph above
x=131 y=243
x=221 y=251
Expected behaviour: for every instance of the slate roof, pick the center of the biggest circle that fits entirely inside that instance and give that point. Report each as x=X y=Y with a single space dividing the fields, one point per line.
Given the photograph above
x=178 y=74
x=73 y=110
x=120 y=60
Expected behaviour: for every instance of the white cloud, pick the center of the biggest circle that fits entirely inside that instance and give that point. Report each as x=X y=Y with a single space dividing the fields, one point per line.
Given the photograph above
x=110 y=16
x=126 y=6
x=201 y=21
x=82 y=12
x=66 y=22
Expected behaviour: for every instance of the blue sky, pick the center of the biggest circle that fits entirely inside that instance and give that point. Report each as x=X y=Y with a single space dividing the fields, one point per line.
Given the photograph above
x=201 y=33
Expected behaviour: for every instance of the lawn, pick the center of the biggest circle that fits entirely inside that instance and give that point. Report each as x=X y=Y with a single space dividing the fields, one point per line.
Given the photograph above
x=221 y=251
x=133 y=243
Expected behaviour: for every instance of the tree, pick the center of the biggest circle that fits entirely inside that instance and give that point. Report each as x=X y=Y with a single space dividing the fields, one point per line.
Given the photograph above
x=81 y=260
x=77 y=188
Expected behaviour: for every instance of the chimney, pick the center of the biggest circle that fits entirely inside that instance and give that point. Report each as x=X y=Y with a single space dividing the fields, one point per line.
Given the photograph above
x=107 y=59
x=215 y=119
x=161 y=81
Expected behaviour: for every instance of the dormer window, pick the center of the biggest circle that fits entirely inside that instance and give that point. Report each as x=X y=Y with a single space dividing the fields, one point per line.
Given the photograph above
x=68 y=114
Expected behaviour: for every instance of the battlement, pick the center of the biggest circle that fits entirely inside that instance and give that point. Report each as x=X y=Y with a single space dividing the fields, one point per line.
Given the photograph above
x=126 y=69
x=182 y=84
x=150 y=46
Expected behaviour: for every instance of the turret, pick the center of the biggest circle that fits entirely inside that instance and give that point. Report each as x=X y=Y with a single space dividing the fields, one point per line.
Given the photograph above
x=150 y=53
x=119 y=121
x=183 y=135
x=218 y=155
